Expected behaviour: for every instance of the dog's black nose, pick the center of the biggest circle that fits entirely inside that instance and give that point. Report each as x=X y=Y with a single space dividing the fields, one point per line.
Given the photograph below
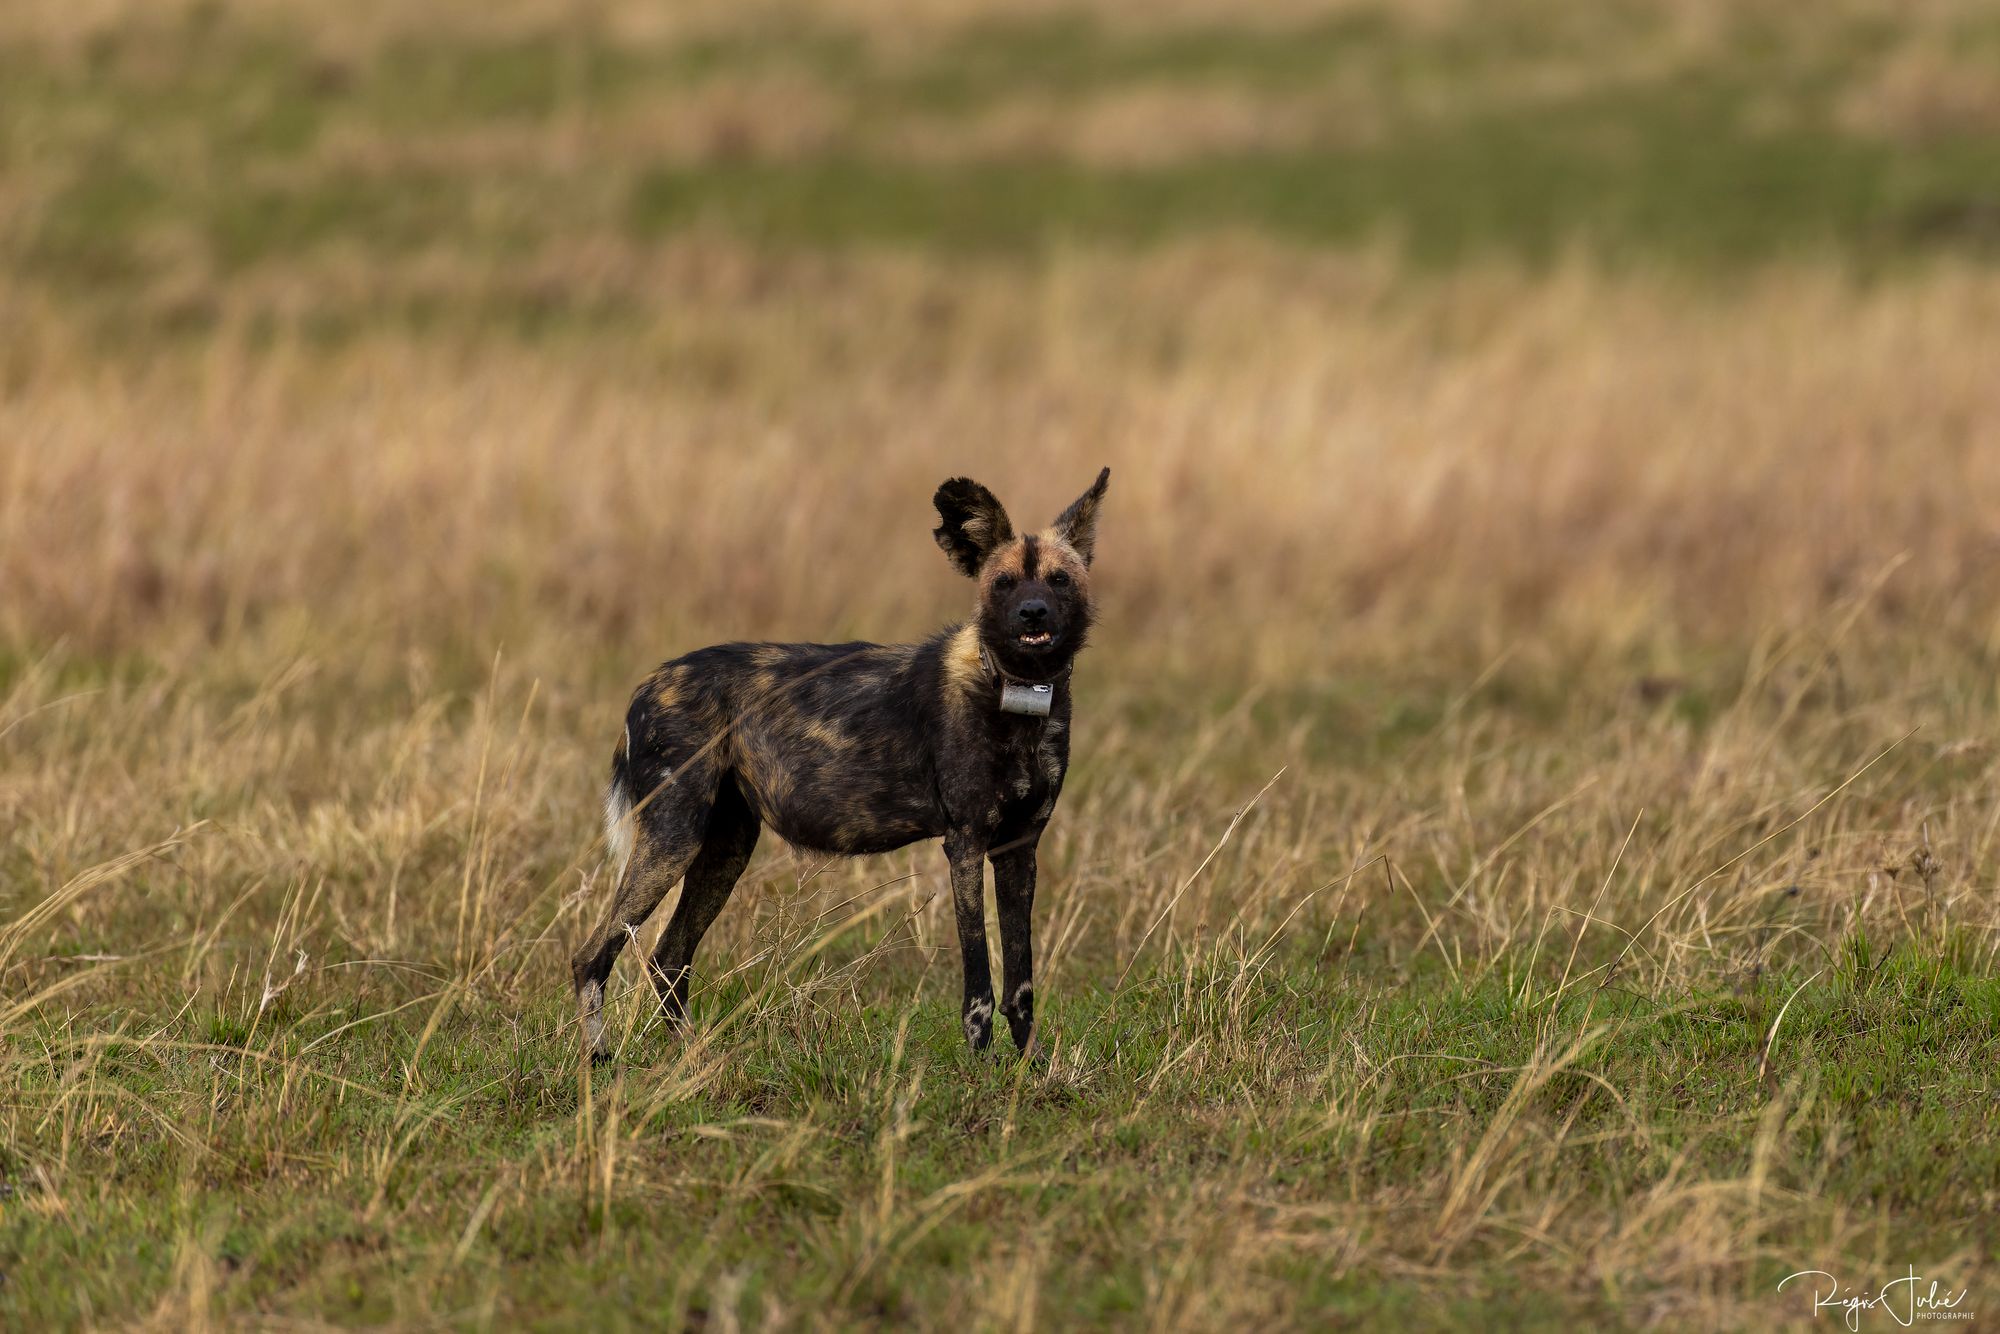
x=1032 y=612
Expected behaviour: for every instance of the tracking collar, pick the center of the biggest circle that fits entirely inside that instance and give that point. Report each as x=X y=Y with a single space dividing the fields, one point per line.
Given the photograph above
x=1031 y=698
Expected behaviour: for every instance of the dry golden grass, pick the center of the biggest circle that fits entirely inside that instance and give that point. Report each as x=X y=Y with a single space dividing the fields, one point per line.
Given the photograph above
x=1784 y=491
x=1929 y=87
x=316 y=655
x=1610 y=467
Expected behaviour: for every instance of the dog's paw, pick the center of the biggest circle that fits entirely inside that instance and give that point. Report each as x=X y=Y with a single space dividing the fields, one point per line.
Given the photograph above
x=977 y=1023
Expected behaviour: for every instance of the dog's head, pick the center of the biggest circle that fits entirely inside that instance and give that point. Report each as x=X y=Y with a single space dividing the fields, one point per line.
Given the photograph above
x=1034 y=590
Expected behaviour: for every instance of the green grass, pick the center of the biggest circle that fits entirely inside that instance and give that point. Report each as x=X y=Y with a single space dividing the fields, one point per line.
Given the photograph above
x=1632 y=178
x=310 y=1192
x=1285 y=1130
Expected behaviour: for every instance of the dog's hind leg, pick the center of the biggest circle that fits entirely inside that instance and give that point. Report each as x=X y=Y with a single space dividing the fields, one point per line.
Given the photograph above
x=667 y=833
x=725 y=850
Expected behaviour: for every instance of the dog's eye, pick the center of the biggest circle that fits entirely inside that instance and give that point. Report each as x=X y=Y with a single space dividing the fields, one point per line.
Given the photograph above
x=1060 y=579
x=1005 y=583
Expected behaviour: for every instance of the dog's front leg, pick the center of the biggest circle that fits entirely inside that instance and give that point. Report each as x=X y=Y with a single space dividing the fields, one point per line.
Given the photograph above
x=967 y=855
x=1014 y=890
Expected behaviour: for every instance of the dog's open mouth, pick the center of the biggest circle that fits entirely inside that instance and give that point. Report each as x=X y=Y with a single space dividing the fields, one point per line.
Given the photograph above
x=1035 y=639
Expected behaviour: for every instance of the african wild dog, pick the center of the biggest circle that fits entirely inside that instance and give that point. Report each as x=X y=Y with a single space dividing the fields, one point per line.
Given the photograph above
x=860 y=748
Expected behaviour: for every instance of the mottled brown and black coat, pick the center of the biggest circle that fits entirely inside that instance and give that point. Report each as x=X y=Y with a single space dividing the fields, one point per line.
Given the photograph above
x=861 y=748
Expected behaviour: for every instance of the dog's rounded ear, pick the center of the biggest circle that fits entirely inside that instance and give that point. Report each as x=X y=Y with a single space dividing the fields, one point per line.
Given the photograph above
x=1077 y=525
x=974 y=524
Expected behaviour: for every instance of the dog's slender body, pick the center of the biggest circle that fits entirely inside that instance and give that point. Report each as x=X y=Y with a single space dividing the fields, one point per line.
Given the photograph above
x=862 y=748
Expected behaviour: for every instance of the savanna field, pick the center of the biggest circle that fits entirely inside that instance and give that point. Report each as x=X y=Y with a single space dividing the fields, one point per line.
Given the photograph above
x=1532 y=853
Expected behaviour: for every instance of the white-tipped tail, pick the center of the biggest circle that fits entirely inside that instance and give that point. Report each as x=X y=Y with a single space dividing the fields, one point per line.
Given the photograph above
x=617 y=829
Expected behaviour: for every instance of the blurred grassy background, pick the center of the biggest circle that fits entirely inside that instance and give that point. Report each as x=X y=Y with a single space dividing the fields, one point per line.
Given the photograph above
x=174 y=165
x=1557 y=441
